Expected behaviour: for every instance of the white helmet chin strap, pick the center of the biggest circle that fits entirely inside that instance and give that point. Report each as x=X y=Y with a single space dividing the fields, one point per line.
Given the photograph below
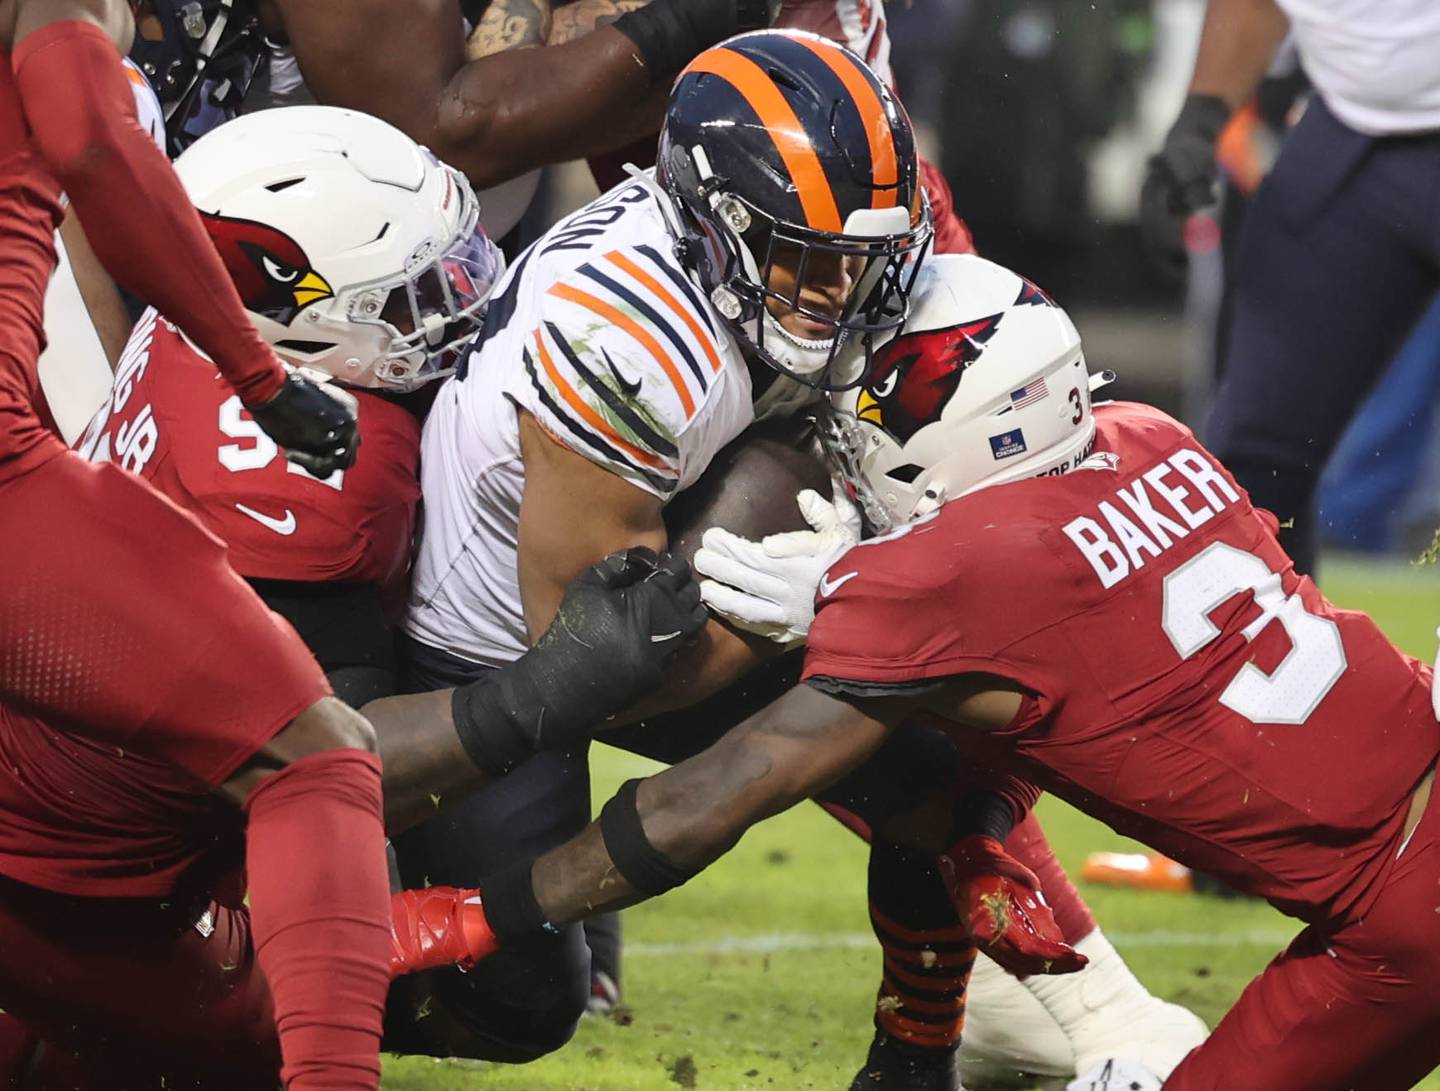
x=801 y=355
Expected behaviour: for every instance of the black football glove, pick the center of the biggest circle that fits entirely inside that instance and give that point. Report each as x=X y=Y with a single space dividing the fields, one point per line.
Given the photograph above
x=619 y=626
x=314 y=422
x=670 y=33
x=1181 y=180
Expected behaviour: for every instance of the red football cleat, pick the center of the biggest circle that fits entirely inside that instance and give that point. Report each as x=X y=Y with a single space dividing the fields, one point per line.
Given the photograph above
x=437 y=926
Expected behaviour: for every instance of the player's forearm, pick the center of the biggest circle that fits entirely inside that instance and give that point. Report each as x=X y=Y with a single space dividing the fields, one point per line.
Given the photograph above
x=97 y=291
x=426 y=764
x=720 y=657
x=138 y=218
x=1237 y=44
x=511 y=112
x=660 y=831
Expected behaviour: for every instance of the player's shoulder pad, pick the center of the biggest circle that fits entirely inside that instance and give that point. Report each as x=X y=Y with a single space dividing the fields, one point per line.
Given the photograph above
x=625 y=359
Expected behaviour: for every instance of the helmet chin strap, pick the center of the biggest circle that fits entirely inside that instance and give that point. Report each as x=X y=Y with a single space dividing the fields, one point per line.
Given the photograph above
x=802 y=355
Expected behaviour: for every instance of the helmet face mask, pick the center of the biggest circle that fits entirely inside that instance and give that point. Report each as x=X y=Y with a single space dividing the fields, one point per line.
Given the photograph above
x=203 y=63
x=429 y=313
x=807 y=247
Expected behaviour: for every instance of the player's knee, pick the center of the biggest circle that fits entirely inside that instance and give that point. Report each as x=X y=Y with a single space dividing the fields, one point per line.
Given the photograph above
x=518 y=1028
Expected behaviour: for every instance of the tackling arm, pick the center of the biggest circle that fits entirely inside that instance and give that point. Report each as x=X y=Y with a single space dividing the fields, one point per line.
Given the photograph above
x=618 y=627
x=696 y=811
x=81 y=113
x=503 y=114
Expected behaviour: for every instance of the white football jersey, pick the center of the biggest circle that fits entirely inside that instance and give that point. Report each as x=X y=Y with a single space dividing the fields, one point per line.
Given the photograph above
x=598 y=332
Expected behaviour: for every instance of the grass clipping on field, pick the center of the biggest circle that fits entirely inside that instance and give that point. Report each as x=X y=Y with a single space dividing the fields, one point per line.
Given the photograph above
x=1432 y=554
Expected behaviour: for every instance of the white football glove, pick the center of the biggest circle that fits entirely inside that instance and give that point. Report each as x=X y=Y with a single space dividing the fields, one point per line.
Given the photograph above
x=768 y=587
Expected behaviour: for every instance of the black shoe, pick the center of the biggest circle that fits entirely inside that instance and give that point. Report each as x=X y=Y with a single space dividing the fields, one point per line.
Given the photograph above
x=894 y=1065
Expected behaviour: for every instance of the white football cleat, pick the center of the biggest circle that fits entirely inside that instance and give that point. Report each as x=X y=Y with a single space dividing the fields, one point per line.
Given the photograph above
x=1116 y=1075
x=1008 y=1032
x=1057 y=1026
x=1107 y=1014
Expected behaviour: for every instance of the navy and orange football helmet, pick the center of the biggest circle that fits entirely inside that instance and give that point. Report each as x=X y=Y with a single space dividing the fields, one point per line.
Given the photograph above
x=795 y=176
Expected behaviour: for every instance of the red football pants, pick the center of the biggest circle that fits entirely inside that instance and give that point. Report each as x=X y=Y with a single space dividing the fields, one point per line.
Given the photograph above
x=1354 y=1009
x=127 y=993
x=121 y=621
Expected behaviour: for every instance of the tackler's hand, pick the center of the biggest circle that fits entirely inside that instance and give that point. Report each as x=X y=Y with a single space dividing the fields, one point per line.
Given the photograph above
x=999 y=900
x=619 y=625
x=314 y=422
x=768 y=587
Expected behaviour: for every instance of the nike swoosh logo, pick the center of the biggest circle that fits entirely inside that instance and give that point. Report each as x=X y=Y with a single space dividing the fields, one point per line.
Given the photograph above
x=279 y=526
x=828 y=587
x=629 y=389
x=662 y=637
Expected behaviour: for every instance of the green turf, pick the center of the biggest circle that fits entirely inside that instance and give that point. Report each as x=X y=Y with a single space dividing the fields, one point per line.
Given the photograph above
x=706 y=1015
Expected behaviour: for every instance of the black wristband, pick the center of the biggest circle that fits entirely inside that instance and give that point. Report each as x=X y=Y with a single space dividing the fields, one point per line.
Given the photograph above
x=986 y=813
x=639 y=863
x=510 y=906
x=486 y=726
x=670 y=33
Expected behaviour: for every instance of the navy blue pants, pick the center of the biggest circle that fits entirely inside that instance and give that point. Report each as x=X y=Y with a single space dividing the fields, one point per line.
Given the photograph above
x=1338 y=258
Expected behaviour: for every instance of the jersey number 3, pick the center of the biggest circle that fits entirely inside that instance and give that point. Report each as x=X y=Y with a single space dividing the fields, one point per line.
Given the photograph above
x=1316 y=660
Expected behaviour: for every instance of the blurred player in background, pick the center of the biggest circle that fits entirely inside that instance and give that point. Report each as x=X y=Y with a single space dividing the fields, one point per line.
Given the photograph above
x=91 y=638
x=1019 y=534
x=1338 y=256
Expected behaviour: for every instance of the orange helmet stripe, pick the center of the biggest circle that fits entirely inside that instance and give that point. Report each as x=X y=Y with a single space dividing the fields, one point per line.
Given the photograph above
x=884 y=169
x=817 y=200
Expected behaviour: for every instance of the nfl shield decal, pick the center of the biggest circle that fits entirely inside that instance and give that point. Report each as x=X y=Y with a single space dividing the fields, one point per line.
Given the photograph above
x=1008 y=444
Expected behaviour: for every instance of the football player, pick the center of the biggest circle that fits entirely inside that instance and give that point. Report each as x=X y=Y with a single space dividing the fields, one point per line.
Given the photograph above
x=1047 y=1025
x=1022 y=535
x=91 y=634
x=357 y=255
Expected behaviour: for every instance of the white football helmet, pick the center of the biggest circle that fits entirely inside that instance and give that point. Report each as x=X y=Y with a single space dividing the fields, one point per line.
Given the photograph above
x=358 y=254
x=986 y=384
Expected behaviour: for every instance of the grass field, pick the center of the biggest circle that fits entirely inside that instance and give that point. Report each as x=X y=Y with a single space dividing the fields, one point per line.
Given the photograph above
x=761 y=973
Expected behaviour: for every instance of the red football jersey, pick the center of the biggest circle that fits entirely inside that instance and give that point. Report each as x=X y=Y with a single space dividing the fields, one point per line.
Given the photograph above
x=1188 y=688
x=172 y=419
